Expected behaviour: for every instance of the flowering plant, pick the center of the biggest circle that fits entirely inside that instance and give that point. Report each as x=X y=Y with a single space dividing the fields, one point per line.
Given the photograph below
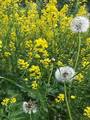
x=44 y=60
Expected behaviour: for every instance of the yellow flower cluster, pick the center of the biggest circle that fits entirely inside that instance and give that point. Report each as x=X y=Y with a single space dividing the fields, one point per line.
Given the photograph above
x=59 y=98
x=28 y=44
x=82 y=11
x=40 y=46
x=28 y=22
x=50 y=15
x=12 y=46
x=63 y=11
x=34 y=85
x=46 y=62
x=13 y=36
x=22 y=64
x=36 y=49
x=7 y=101
x=24 y=29
x=49 y=20
x=85 y=62
x=7 y=54
x=13 y=100
x=41 y=43
x=87 y=112
x=80 y=77
x=35 y=72
x=65 y=23
x=65 y=20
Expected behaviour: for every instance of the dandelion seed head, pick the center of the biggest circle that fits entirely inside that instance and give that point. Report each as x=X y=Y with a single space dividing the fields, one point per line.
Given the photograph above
x=29 y=107
x=63 y=74
x=80 y=24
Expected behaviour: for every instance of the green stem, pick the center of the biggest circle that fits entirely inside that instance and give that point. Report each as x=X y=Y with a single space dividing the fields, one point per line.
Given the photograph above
x=79 y=44
x=76 y=63
x=68 y=108
x=49 y=78
x=50 y=74
x=30 y=117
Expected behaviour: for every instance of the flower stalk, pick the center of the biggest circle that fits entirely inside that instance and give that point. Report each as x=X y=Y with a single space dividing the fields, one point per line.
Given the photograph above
x=66 y=100
x=30 y=117
x=78 y=53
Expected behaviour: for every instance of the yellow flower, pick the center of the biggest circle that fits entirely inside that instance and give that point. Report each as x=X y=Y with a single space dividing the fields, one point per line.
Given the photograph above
x=12 y=46
x=73 y=97
x=44 y=53
x=80 y=77
x=40 y=52
x=87 y=112
x=28 y=44
x=22 y=64
x=7 y=54
x=85 y=62
x=50 y=16
x=63 y=11
x=40 y=46
x=45 y=62
x=35 y=72
x=59 y=98
x=5 y=101
x=65 y=23
x=82 y=11
x=13 y=36
x=34 y=85
x=13 y=100
x=42 y=43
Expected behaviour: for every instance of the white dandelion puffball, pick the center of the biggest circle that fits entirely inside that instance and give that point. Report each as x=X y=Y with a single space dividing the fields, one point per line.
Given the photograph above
x=29 y=107
x=80 y=24
x=63 y=74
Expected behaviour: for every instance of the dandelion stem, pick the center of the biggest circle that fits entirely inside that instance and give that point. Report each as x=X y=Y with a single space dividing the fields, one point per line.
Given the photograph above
x=30 y=117
x=79 y=44
x=68 y=108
